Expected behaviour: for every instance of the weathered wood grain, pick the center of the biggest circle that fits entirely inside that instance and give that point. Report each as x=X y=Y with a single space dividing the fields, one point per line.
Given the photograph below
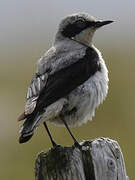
x=98 y=159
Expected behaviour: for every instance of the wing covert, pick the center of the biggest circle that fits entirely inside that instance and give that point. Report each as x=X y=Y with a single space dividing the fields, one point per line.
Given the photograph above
x=62 y=82
x=46 y=88
x=34 y=89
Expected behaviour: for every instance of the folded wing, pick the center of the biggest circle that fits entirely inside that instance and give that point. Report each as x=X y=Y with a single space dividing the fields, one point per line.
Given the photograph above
x=47 y=88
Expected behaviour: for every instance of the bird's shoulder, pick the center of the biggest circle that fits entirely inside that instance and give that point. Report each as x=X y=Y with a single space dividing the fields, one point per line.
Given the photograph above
x=55 y=60
x=61 y=56
x=58 y=58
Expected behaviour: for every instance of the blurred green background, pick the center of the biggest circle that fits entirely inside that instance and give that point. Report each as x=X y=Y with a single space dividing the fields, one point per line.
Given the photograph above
x=27 y=30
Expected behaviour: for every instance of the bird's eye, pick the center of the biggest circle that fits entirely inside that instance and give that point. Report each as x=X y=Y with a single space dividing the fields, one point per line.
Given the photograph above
x=80 y=24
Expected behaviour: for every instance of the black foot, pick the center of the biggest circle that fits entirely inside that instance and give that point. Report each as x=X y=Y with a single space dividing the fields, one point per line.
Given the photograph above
x=54 y=144
x=76 y=144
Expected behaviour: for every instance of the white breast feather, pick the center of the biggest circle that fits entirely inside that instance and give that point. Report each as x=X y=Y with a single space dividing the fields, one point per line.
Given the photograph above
x=86 y=98
x=98 y=88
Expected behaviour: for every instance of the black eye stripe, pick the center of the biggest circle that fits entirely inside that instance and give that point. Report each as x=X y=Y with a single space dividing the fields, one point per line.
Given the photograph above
x=81 y=24
x=73 y=29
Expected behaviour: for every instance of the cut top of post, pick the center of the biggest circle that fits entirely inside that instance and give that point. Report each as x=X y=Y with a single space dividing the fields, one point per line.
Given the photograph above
x=98 y=159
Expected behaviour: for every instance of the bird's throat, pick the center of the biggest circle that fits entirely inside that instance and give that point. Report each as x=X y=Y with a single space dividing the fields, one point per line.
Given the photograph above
x=85 y=37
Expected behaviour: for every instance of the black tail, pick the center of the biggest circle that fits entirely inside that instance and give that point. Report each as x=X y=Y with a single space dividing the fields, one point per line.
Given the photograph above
x=28 y=128
x=23 y=139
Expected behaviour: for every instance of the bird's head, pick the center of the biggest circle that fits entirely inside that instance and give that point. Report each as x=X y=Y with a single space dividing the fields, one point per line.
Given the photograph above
x=80 y=27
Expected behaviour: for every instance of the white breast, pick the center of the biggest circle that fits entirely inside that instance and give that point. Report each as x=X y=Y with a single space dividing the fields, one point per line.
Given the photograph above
x=85 y=99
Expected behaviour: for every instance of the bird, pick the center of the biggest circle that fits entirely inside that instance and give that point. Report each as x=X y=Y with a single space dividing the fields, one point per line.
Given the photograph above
x=70 y=81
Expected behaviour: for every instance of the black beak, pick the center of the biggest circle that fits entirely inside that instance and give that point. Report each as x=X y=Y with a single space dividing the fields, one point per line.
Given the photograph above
x=102 y=23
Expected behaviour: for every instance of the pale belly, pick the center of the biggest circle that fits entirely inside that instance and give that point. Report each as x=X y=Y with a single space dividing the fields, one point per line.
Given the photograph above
x=79 y=106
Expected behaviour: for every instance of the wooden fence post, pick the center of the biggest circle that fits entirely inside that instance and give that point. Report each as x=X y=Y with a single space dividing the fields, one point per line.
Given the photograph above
x=98 y=159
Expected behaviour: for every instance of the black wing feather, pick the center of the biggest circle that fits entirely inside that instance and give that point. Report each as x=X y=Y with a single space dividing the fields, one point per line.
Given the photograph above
x=61 y=83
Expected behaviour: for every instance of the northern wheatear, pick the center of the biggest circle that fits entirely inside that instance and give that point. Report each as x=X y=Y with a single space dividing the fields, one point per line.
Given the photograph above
x=71 y=79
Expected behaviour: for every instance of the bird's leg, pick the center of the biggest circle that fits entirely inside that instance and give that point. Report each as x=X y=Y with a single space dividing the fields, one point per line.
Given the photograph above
x=50 y=136
x=75 y=141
